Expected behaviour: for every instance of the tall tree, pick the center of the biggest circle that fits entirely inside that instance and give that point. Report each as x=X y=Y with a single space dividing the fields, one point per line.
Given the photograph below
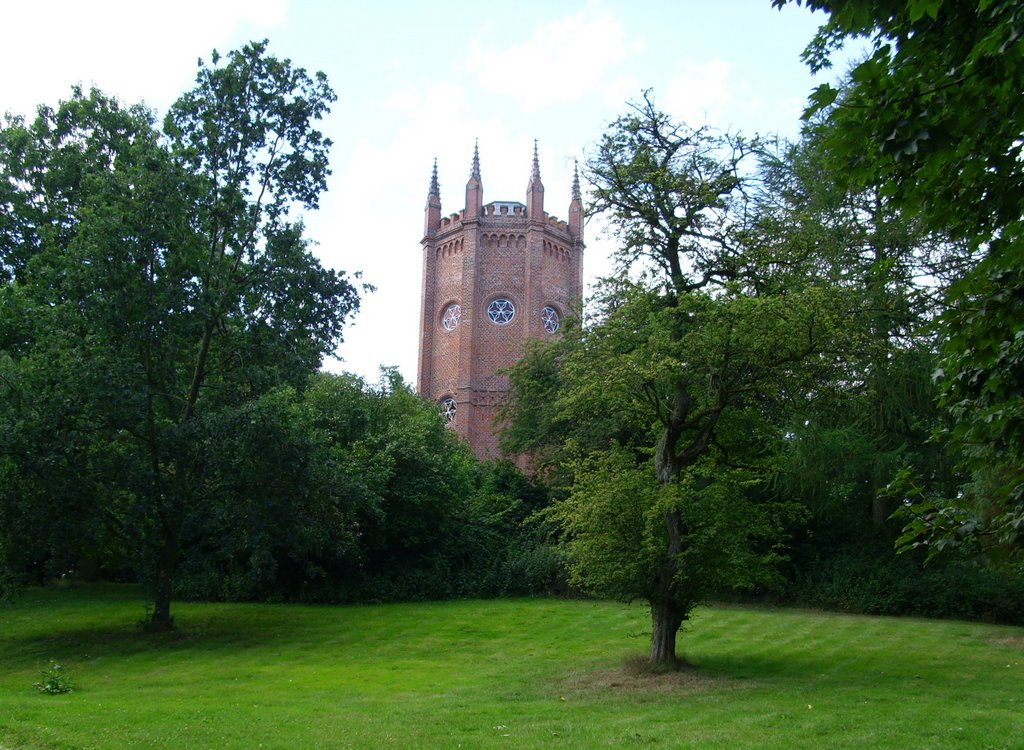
x=689 y=362
x=175 y=288
x=878 y=413
x=265 y=309
x=932 y=118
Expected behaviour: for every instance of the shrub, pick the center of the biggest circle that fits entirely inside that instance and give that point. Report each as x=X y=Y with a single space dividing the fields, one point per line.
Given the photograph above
x=54 y=681
x=878 y=582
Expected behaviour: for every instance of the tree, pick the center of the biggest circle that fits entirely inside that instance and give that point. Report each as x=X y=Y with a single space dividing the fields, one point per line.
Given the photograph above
x=95 y=200
x=932 y=119
x=878 y=410
x=171 y=286
x=689 y=364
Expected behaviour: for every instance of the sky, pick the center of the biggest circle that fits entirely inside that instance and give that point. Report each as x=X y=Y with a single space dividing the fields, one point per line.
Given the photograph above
x=423 y=80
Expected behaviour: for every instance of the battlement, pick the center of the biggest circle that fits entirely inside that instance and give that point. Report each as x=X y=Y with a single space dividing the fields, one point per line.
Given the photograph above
x=556 y=222
x=500 y=209
x=447 y=221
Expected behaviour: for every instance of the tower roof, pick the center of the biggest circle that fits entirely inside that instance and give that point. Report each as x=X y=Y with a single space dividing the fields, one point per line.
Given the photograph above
x=575 y=181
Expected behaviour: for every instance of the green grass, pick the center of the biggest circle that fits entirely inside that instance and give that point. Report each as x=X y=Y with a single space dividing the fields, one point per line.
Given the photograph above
x=497 y=674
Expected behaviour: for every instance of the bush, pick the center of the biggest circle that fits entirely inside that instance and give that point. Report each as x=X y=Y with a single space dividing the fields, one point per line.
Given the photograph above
x=878 y=582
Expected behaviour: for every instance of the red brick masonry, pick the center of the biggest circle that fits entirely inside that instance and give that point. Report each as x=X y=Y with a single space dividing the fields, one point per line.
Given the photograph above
x=503 y=250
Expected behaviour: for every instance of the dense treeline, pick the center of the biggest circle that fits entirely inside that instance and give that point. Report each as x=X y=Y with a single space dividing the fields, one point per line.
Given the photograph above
x=162 y=418
x=351 y=492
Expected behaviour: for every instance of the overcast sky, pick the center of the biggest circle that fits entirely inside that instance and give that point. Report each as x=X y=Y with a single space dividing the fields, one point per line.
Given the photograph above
x=423 y=80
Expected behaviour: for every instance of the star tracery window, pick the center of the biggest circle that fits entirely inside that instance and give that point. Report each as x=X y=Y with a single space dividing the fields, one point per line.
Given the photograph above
x=452 y=315
x=550 y=318
x=501 y=311
x=448 y=409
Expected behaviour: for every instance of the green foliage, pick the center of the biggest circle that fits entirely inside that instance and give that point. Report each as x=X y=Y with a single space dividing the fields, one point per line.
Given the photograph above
x=505 y=550
x=155 y=294
x=614 y=536
x=869 y=579
x=53 y=680
x=937 y=98
x=981 y=378
x=932 y=121
x=353 y=492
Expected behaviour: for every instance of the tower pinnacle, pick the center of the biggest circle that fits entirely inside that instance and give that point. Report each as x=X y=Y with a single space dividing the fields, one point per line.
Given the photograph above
x=474 y=187
x=475 y=169
x=535 y=191
x=432 y=215
x=435 y=188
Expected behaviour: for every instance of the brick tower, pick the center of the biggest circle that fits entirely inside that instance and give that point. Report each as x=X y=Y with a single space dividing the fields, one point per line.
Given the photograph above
x=494 y=275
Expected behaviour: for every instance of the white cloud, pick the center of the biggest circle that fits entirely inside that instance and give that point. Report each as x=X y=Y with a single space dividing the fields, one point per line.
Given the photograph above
x=563 y=60
x=125 y=47
x=700 y=93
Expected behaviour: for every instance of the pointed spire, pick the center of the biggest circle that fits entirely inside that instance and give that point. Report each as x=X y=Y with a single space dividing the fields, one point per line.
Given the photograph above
x=474 y=187
x=435 y=188
x=576 y=208
x=535 y=191
x=432 y=216
x=475 y=170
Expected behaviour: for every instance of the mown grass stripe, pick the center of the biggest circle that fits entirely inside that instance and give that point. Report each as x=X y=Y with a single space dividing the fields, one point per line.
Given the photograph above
x=502 y=674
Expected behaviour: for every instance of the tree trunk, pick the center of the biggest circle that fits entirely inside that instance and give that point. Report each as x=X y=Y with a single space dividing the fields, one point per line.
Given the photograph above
x=666 y=619
x=171 y=522
x=167 y=561
x=880 y=510
x=666 y=612
x=163 y=586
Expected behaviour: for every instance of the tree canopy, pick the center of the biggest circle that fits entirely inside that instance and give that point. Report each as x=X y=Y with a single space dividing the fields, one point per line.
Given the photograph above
x=664 y=413
x=932 y=119
x=155 y=289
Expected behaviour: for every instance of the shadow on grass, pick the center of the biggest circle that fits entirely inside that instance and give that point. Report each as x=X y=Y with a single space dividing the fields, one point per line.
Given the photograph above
x=126 y=639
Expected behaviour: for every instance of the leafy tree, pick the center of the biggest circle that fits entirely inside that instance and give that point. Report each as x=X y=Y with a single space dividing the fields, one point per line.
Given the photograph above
x=932 y=115
x=74 y=173
x=877 y=411
x=681 y=378
x=402 y=483
x=932 y=118
x=167 y=287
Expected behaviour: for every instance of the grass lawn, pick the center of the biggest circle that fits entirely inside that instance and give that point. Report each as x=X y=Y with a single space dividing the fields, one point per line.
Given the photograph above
x=501 y=674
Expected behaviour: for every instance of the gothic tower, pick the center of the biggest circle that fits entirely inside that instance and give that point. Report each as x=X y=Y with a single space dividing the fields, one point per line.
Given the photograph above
x=494 y=275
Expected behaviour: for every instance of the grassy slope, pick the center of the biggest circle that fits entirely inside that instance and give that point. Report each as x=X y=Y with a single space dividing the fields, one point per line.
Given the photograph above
x=479 y=674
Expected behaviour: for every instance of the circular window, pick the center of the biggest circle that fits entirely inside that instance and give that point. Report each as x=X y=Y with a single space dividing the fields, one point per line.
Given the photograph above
x=451 y=316
x=549 y=317
x=501 y=311
x=448 y=409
